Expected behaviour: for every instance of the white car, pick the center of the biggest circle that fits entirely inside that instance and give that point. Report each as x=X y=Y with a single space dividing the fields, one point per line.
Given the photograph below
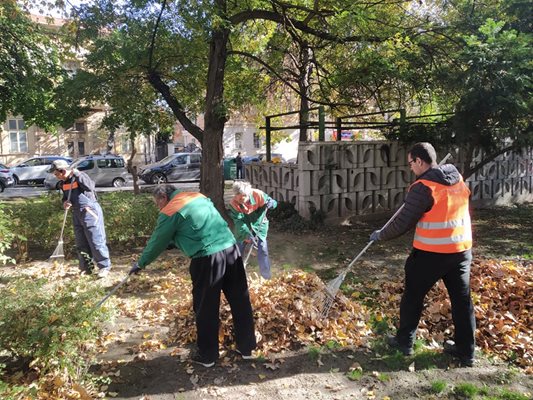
x=34 y=170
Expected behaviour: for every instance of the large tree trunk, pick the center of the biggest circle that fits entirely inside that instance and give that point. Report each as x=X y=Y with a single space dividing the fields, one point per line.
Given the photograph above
x=304 y=84
x=133 y=168
x=212 y=178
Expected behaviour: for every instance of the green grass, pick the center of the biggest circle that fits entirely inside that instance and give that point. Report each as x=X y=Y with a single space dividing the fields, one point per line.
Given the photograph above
x=355 y=374
x=466 y=390
x=438 y=386
x=314 y=352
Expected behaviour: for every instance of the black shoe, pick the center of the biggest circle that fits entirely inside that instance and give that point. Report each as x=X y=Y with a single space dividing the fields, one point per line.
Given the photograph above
x=199 y=359
x=245 y=355
x=451 y=349
x=392 y=341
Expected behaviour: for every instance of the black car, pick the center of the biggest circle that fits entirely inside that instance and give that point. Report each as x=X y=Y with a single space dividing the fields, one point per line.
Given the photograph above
x=174 y=168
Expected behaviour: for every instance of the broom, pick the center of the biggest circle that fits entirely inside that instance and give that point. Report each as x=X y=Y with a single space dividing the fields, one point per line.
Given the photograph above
x=58 y=252
x=333 y=287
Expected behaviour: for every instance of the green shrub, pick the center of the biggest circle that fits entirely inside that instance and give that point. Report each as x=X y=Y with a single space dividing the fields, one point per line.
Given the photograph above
x=45 y=324
x=129 y=220
x=287 y=219
x=7 y=236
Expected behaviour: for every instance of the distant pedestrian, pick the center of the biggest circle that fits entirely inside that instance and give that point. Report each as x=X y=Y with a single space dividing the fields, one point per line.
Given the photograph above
x=437 y=207
x=87 y=217
x=238 y=163
x=190 y=222
x=248 y=211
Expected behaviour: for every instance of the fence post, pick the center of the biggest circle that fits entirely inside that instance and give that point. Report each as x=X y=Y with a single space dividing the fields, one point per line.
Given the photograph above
x=267 y=139
x=402 y=122
x=339 y=128
x=321 y=124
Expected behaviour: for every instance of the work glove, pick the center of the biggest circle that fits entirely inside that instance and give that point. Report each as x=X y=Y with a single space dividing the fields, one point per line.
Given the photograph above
x=135 y=269
x=374 y=237
x=270 y=204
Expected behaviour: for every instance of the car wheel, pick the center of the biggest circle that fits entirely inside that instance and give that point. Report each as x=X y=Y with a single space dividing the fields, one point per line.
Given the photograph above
x=58 y=185
x=15 y=180
x=158 y=178
x=118 y=182
x=2 y=187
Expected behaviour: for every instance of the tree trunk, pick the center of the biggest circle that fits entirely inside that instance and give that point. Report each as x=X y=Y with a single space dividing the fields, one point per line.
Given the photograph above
x=212 y=178
x=132 y=168
x=304 y=71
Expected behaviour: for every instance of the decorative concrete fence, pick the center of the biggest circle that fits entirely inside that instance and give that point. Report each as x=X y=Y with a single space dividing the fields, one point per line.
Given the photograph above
x=356 y=179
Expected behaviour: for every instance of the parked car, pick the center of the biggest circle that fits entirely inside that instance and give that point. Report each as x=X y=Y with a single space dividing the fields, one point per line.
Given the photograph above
x=175 y=167
x=34 y=170
x=108 y=170
x=6 y=177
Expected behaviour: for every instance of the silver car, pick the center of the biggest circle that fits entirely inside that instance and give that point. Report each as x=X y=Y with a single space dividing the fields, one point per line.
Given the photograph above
x=34 y=170
x=109 y=170
x=6 y=177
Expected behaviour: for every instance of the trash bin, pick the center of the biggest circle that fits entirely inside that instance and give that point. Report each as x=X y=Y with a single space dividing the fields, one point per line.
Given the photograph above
x=230 y=168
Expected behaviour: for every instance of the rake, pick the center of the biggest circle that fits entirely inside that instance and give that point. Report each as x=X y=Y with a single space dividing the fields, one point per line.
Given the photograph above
x=58 y=252
x=254 y=243
x=122 y=282
x=333 y=287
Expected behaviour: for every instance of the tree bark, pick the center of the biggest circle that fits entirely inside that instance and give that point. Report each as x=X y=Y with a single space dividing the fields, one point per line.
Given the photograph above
x=215 y=117
x=132 y=168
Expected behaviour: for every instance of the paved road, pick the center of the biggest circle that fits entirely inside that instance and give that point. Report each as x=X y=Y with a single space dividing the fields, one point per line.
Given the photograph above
x=35 y=191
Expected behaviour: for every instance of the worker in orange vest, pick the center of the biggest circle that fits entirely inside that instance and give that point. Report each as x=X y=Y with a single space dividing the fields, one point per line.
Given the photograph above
x=436 y=205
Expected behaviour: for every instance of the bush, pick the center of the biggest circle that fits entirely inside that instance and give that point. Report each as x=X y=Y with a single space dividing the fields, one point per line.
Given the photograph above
x=7 y=236
x=129 y=220
x=45 y=325
x=287 y=219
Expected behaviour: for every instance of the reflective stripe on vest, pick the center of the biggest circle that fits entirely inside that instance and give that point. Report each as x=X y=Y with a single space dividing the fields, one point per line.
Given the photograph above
x=70 y=186
x=446 y=228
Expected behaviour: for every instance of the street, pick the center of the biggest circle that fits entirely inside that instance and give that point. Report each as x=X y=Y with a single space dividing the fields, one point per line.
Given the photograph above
x=35 y=191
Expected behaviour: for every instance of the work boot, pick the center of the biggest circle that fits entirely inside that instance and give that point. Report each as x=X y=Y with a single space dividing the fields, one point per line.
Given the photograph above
x=393 y=342
x=451 y=348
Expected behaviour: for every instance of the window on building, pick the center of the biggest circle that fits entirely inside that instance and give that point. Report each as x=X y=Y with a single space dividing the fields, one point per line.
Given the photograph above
x=81 y=148
x=79 y=126
x=125 y=144
x=70 y=149
x=257 y=140
x=238 y=140
x=17 y=136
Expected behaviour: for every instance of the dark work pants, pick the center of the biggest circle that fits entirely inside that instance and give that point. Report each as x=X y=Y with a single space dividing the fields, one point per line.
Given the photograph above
x=422 y=270
x=89 y=232
x=222 y=271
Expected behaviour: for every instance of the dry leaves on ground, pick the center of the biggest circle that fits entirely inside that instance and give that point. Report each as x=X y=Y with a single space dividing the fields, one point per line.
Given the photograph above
x=502 y=293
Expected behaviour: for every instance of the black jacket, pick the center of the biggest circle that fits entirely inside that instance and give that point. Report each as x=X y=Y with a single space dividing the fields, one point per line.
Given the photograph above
x=419 y=200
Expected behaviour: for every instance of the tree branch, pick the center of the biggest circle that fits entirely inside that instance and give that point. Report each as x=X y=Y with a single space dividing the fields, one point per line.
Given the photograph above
x=155 y=80
x=154 y=34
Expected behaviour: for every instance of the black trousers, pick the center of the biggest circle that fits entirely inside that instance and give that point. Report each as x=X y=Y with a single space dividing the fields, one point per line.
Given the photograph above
x=422 y=270
x=222 y=271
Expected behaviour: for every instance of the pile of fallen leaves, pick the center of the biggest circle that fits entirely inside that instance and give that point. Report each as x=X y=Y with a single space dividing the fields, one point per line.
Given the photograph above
x=286 y=314
x=502 y=293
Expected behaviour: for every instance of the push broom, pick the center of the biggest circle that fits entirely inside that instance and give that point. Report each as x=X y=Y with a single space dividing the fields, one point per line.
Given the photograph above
x=333 y=287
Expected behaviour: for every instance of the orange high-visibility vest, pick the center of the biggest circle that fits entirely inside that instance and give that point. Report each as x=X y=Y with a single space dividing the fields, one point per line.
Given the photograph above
x=446 y=227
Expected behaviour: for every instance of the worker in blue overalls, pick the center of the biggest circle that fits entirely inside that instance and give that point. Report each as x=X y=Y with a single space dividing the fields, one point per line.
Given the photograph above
x=87 y=217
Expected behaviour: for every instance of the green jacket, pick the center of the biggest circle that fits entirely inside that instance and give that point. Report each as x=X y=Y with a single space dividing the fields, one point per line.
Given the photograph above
x=251 y=215
x=192 y=223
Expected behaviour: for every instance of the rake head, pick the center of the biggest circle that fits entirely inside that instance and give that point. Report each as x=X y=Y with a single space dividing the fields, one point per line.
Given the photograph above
x=325 y=300
x=58 y=252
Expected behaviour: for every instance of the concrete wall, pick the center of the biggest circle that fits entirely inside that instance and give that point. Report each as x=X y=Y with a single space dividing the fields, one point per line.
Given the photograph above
x=361 y=179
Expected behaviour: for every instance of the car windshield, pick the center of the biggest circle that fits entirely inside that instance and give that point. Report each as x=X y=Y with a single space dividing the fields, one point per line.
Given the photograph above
x=167 y=159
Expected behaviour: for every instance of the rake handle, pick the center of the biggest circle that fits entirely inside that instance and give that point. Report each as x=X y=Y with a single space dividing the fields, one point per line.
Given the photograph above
x=122 y=282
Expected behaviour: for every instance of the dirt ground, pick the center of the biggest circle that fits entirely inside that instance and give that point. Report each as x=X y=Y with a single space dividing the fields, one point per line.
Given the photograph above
x=307 y=373
x=168 y=374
